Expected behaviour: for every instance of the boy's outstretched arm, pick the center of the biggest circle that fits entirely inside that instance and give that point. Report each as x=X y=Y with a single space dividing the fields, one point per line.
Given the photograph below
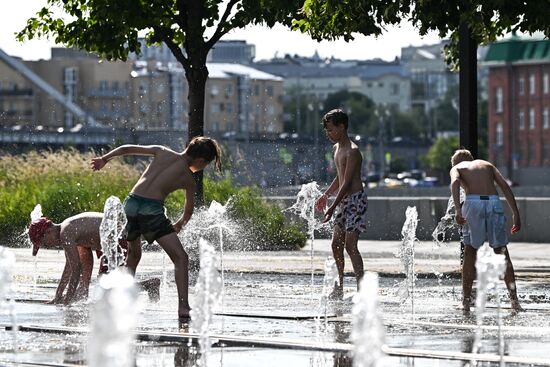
x=72 y=258
x=128 y=149
x=455 y=191
x=510 y=199
x=58 y=298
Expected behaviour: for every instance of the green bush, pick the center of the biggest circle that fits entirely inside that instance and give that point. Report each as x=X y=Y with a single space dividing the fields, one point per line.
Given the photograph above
x=63 y=183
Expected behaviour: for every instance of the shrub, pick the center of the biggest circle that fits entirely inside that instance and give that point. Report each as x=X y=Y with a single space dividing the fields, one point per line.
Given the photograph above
x=63 y=183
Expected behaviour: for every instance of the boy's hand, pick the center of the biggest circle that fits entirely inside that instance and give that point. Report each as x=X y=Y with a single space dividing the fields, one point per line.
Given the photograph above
x=178 y=226
x=321 y=203
x=516 y=227
x=328 y=214
x=460 y=219
x=98 y=163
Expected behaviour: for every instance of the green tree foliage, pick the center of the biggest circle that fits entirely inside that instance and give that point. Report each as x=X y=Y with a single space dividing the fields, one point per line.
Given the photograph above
x=445 y=113
x=439 y=154
x=63 y=183
x=360 y=109
x=487 y=19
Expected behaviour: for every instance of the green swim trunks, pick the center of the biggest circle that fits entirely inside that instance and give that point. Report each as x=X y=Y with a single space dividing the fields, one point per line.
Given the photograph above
x=146 y=218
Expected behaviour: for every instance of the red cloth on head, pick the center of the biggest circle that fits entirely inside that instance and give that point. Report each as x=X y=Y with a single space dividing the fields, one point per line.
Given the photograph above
x=37 y=229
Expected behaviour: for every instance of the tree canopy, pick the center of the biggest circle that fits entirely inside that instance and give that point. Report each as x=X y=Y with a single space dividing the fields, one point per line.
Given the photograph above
x=487 y=19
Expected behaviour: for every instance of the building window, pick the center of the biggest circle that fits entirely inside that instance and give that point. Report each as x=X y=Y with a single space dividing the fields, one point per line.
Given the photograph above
x=521 y=120
x=531 y=118
x=545 y=151
x=545 y=82
x=532 y=84
x=269 y=90
x=103 y=85
x=500 y=134
x=229 y=89
x=545 y=118
x=521 y=85
x=215 y=107
x=229 y=108
x=394 y=89
x=499 y=98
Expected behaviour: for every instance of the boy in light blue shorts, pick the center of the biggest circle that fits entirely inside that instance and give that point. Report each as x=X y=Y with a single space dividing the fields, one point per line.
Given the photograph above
x=482 y=217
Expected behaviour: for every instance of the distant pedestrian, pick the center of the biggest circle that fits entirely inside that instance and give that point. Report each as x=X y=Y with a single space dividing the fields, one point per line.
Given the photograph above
x=350 y=203
x=482 y=217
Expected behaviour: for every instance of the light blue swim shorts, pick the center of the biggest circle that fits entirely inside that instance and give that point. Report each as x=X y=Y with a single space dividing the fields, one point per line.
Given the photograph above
x=485 y=221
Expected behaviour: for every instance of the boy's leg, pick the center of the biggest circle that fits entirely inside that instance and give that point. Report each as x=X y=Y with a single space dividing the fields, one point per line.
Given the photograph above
x=134 y=255
x=87 y=266
x=172 y=245
x=468 y=275
x=338 y=244
x=510 y=278
x=354 y=255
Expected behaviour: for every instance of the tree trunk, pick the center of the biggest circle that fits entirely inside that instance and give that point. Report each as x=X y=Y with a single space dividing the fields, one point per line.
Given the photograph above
x=196 y=74
x=468 y=90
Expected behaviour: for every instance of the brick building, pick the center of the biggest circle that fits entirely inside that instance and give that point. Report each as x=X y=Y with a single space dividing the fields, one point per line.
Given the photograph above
x=518 y=109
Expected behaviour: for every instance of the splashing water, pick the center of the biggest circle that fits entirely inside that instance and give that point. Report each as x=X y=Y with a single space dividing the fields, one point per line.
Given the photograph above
x=207 y=292
x=329 y=281
x=7 y=263
x=489 y=269
x=367 y=331
x=111 y=230
x=35 y=215
x=304 y=207
x=114 y=316
x=447 y=222
x=406 y=256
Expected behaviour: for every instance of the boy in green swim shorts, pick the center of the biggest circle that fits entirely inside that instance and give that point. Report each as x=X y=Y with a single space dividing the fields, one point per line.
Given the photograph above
x=144 y=206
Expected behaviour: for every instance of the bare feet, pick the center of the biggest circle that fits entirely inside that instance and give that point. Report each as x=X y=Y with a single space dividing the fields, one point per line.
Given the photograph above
x=516 y=307
x=466 y=302
x=337 y=294
x=152 y=286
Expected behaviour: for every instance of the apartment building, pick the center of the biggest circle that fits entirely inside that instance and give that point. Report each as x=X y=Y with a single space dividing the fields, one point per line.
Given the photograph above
x=314 y=78
x=518 y=109
x=141 y=94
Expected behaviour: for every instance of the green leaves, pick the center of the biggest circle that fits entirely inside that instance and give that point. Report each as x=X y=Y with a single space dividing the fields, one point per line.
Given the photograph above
x=487 y=19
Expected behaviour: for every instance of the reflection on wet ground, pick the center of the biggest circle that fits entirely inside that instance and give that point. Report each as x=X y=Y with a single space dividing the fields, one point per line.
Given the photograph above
x=284 y=307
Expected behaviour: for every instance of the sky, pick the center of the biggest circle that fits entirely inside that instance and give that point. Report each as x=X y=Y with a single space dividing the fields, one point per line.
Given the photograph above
x=269 y=42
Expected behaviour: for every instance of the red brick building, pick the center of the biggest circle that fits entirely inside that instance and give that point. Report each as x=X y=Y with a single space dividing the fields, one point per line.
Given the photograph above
x=518 y=109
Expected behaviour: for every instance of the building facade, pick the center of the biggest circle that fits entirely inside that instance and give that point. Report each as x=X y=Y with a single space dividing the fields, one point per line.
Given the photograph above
x=138 y=94
x=518 y=109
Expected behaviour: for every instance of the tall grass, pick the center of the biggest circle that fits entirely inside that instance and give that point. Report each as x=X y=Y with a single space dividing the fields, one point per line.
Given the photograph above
x=64 y=184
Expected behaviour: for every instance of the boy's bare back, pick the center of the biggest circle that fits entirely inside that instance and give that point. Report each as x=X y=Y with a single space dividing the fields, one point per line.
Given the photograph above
x=82 y=230
x=167 y=172
x=477 y=177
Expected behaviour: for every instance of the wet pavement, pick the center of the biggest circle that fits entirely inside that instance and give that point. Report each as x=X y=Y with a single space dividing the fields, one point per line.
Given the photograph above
x=269 y=296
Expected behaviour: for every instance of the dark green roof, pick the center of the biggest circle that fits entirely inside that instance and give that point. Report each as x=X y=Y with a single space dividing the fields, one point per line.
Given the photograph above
x=515 y=49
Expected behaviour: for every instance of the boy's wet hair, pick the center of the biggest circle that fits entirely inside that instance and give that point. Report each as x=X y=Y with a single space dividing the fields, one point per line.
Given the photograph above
x=207 y=148
x=461 y=155
x=337 y=117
